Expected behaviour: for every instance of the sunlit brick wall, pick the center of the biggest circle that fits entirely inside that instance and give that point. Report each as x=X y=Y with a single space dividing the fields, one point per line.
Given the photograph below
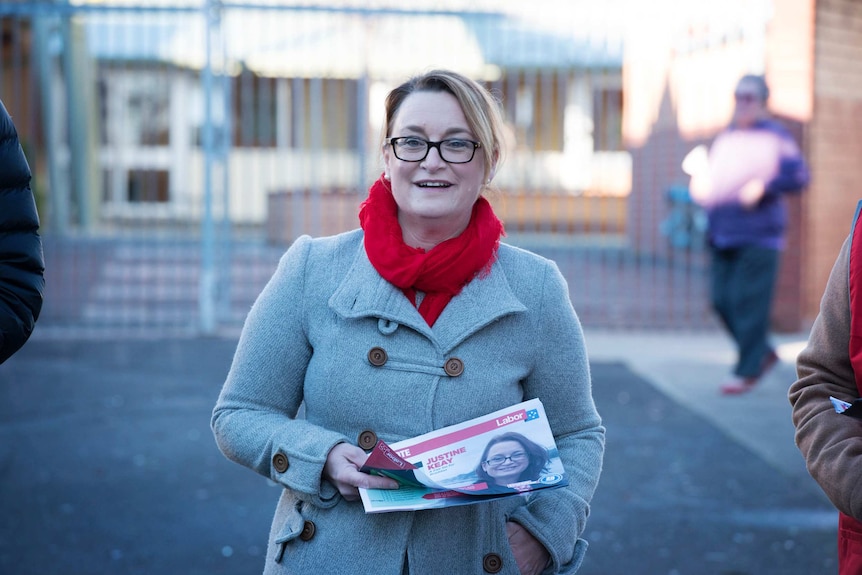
x=679 y=85
x=835 y=147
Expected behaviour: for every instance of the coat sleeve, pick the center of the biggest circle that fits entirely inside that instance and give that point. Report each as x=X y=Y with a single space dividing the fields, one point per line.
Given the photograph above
x=830 y=443
x=22 y=263
x=255 y=417
x=793 y=174
x=561 y=380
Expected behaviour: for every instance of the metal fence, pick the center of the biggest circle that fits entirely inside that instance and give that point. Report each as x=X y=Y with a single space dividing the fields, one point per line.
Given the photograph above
x=177 y=149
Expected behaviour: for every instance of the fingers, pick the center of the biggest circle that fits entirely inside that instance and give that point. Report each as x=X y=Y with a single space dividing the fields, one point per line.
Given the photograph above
x=349 y=493
x=368 y=481
x=342 y=470
x=530 y=555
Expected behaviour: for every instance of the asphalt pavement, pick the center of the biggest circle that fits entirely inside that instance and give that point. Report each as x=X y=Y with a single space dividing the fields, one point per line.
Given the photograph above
x=108 y=466
x=697 y=483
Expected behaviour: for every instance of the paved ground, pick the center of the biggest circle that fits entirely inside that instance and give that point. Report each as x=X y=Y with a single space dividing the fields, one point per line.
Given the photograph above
x=694 y=482
x=107 y=464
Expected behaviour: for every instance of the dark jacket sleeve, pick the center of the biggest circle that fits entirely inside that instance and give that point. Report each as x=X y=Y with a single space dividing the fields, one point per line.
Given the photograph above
x=793 y=174
x=22 y=263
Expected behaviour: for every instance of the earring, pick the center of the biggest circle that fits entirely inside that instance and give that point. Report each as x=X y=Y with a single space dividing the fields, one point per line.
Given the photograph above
x=386 y=176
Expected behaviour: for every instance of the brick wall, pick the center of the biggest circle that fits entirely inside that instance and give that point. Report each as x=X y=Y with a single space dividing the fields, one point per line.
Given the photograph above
x=834 y=143
x=679 y=94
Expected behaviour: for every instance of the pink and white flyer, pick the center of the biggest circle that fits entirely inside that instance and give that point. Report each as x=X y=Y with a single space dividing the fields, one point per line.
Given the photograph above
x=507 y=453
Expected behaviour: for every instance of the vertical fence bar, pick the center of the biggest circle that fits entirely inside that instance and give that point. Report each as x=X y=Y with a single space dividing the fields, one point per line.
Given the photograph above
x=207 y=289
x=226 y=231
x=46 y=46
x=77 y=87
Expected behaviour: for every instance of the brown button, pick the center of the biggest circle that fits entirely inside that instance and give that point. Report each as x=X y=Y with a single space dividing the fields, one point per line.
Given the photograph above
x=308 y=530
x=454 y=367
x=377 y=356
x=367 y=439
x=280 y=462
x=492 y=563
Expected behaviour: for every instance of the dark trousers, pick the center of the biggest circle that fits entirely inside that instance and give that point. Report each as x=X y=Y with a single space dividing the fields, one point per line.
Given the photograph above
x=743 y=281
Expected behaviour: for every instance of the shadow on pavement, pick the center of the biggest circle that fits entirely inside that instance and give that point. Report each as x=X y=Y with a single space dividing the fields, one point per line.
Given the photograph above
x=679 y=497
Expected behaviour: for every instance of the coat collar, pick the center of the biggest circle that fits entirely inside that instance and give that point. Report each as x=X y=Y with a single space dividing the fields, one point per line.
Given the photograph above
x=364 y=293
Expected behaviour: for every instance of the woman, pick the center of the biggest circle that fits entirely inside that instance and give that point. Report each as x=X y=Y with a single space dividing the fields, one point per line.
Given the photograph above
x=511 y=458
x=752 y=165
x=417 y=321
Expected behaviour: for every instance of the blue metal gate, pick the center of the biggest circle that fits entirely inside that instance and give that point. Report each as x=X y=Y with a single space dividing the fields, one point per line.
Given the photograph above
x=177 y=149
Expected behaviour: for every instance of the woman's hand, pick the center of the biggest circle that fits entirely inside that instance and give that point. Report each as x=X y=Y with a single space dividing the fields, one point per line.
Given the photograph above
x=342 y=470
x=532 y=557
x=751 y=193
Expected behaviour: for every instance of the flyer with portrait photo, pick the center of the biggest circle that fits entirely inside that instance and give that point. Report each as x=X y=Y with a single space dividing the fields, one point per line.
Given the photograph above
x=507 y=453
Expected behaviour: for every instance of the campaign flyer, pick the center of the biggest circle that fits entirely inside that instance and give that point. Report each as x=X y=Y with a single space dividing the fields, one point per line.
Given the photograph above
x=507 y=453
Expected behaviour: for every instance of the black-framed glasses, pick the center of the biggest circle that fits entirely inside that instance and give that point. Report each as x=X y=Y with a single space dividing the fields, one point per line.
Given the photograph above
x=499 y=460
x=453 y=150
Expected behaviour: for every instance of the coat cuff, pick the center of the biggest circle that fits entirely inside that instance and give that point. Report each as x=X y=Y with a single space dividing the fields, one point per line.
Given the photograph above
x=302 y=472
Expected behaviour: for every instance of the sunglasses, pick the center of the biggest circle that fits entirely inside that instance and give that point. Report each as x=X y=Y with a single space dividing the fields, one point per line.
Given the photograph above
x=746 y=98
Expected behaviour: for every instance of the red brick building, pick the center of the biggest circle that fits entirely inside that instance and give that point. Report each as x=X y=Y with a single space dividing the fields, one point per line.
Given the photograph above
x=679 y=83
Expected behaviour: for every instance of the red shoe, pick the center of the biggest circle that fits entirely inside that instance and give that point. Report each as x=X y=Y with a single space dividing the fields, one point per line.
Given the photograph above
x=739 y=385
x=768 y=362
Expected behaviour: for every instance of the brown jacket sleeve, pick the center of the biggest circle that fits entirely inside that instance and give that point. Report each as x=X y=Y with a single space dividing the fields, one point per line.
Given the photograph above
x=831 y=443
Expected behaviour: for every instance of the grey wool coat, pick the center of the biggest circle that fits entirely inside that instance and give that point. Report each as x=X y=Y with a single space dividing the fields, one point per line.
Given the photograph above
x=307 y=339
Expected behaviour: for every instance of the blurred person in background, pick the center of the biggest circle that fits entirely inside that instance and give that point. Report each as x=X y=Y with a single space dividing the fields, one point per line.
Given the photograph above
x=829 y=367
x=22 y=264
x=741 y=183
x=419 y=320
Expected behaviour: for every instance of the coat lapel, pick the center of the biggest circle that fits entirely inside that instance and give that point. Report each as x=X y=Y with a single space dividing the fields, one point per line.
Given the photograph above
x=483 y=301
x=364 y=293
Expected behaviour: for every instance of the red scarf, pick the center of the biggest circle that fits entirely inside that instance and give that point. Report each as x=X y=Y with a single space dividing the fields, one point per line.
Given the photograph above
x=442 y=271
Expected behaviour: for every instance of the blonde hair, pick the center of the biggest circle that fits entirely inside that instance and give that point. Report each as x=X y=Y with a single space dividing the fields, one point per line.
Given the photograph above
x=481 y=109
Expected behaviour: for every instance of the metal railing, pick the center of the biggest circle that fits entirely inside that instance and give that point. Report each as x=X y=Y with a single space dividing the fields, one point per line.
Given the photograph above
x=178 y=148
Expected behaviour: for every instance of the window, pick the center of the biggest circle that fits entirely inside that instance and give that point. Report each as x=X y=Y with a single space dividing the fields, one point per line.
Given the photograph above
x=147 y=186
x=607 y=119
x=295 y=113
x=535 y=107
